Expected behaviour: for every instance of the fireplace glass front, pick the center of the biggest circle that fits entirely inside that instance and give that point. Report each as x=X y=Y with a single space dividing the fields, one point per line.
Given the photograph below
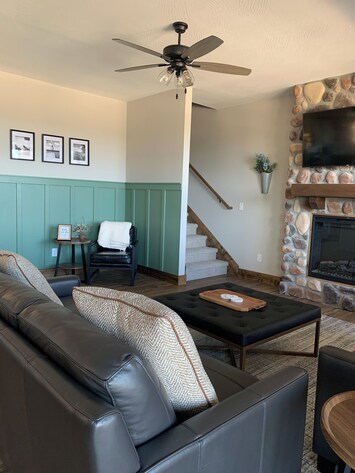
x=332 y=253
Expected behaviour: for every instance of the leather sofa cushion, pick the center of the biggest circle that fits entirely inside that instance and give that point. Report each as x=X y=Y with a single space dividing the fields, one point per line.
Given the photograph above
x=111 y=257
x=22 y=270
x=160 y=336
x=114 y=372
x=15 y=297
x=226 y=379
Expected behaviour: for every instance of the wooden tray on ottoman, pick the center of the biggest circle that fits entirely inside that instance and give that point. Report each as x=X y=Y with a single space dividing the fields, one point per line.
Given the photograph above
x=248 y=304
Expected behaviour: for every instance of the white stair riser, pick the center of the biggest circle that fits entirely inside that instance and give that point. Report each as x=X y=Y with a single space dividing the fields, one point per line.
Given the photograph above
x=204 y=273
x=195 y=241
x=193 y=255
x=191 y=228
x=206 y=269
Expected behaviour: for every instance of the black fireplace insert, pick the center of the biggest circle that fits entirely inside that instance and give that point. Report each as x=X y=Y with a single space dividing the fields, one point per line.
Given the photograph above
x=332 y=252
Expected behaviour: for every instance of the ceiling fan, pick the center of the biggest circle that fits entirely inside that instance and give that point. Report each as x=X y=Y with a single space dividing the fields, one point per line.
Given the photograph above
x=178 y=57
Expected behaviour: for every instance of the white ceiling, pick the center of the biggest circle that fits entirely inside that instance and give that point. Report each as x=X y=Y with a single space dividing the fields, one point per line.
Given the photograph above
x=284 y=42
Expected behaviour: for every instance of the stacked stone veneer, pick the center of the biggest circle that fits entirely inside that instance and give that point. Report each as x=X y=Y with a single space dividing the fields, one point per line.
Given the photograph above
x=336 y=92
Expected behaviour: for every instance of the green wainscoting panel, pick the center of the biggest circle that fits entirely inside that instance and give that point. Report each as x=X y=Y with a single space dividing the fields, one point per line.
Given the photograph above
x=82 y=205
x=105 y=204
x=32 y=207
x=155 y=229
x=8 y=220
x=171 y=232
x=130 y=205
x=58 y=210
x=141 y=221
x=155 y=209
x=32 y=238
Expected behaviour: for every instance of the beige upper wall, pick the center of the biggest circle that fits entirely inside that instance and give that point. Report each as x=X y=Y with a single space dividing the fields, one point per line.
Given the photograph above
x=39 y=107
x=156 y=138
x=223 y=147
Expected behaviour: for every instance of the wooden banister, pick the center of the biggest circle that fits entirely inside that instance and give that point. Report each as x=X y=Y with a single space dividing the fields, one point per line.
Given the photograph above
x=219 y=198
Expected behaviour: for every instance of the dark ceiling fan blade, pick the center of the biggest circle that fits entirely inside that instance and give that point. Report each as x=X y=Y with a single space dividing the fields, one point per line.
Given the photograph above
x=140 y=48
x=222 y=68
x=202 y=47
x=137 y=68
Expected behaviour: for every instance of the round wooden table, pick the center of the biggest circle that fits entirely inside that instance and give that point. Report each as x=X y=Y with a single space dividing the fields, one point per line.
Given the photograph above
x=73 y=265
x=338 y=426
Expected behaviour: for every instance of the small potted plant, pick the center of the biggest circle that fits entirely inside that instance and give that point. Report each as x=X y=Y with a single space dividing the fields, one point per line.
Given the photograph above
x=265 y=168
x=81 y=229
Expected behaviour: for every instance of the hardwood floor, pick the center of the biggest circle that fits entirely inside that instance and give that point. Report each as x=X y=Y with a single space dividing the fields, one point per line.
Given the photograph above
x=152 y=287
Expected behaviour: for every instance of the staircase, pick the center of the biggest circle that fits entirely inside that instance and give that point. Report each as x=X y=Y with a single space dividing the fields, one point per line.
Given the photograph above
x=201 y=260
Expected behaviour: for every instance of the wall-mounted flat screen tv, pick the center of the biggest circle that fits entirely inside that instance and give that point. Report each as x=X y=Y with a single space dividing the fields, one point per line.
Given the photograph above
x=329 y=137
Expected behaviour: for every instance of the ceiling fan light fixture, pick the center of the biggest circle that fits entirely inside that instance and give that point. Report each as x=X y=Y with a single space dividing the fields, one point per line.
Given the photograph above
x=183 y=78
x=165 y=76
x=188 y=78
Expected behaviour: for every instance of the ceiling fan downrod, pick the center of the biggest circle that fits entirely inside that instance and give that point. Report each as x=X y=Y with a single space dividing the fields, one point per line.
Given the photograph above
x=180 y=27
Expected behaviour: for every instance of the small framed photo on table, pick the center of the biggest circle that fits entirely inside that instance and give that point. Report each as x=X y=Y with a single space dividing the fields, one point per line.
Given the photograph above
x=22 y=145
x=52 y=149
x=79 y=152
x=64 y=232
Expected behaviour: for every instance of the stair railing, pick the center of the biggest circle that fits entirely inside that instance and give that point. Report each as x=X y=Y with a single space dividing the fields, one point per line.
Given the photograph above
x=215 y=193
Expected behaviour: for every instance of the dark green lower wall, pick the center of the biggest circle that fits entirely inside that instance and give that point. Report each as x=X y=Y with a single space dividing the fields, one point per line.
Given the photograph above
x=31 y=208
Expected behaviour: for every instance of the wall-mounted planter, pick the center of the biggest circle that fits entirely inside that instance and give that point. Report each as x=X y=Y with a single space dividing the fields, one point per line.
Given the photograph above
x=265 y=179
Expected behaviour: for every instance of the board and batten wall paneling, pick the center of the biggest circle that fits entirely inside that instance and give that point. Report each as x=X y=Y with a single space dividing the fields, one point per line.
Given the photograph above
x=8 y=216
x=155 y=210
x=58 y=210
x=172 y=232
x=31 y=208
x=32 y=222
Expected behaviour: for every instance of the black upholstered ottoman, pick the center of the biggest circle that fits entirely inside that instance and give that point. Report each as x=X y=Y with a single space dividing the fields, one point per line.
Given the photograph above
x=245 y=330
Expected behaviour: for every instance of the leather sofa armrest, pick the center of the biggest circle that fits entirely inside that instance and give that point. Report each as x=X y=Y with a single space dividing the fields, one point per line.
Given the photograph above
x=258 y=429
x=63 y=285
x=336 y=374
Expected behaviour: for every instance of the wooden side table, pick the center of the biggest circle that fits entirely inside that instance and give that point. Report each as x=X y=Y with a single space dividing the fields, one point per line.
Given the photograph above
x=73 y=265
x=338 y=426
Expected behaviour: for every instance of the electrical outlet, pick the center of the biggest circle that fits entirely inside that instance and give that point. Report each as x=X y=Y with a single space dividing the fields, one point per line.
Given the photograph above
x=259 y=257
x=54 y=252
x=241 y=205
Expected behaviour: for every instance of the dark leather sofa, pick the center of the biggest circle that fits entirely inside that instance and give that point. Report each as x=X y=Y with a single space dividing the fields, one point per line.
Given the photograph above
x=74 y=399
x=336 y=374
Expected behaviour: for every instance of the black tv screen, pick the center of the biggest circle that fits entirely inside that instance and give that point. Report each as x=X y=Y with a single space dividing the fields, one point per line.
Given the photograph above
x=329 y=137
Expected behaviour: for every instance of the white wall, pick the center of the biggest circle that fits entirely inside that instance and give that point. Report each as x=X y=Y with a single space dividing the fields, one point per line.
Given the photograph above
x=39 y=107
x=223 y=147
x=156 y=138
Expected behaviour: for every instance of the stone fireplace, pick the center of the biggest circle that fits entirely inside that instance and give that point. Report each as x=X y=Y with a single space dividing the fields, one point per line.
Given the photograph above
x=315 y=192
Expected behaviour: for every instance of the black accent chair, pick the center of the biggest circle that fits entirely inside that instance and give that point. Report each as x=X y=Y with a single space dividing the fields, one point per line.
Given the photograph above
x=107 y=258
x=336 y=374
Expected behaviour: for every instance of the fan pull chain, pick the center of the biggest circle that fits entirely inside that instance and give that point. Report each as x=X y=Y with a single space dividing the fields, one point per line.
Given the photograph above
x=177 y=92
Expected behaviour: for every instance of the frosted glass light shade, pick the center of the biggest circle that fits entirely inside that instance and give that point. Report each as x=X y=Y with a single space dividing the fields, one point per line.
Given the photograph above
x=166 y=75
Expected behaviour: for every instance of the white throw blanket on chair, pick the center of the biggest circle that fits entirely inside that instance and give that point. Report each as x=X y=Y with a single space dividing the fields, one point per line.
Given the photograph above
x=114 y=235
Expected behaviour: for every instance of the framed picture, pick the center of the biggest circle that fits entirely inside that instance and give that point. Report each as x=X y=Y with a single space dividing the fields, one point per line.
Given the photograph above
x=64 y=232
x=52 y=149
x=22 y=145
x=78 y=151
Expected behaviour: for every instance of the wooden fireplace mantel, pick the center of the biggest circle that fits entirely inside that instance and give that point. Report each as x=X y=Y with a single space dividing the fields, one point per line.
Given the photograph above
x=318 y=192
x=321 y=190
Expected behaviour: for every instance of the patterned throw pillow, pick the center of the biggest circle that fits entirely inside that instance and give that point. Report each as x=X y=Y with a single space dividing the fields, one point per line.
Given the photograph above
x=160 y=336
x=24 y=271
